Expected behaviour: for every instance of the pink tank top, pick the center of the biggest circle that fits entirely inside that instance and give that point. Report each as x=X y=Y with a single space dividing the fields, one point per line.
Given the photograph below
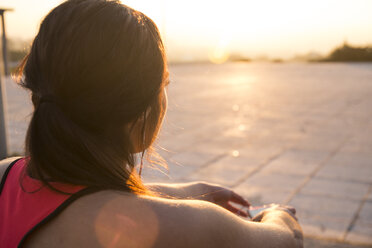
x=26 y=204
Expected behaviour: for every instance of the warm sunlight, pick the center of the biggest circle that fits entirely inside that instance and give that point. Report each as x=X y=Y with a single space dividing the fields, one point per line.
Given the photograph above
x=278 y=28
x=234 y=123
x=214 y=30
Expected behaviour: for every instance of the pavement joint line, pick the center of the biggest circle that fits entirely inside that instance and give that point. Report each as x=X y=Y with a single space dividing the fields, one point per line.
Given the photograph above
x=329 y=196
x=330 y=178
x=185 y=148
x=316 y=170
x=259 y=167
x=191 y=144
x=206 y=164
x=356 y=215
x=336 y=240
x=348 y=105
x=360 y=181
x=220 y=156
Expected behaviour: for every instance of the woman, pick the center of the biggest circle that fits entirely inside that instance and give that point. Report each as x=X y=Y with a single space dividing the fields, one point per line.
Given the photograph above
x=97 y=75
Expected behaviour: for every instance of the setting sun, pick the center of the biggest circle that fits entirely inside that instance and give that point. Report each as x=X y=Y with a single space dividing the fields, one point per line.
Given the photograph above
x=224 y=123
x=276 y=28
x=214 y=30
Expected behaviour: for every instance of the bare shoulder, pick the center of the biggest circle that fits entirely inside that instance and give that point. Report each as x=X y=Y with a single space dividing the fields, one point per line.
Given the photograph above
x=116 y=219
x=5 y=163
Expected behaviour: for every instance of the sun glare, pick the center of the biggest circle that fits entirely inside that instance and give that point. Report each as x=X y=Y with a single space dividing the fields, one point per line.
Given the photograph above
x=216 y=30
x=219 y=55
x=278 y=28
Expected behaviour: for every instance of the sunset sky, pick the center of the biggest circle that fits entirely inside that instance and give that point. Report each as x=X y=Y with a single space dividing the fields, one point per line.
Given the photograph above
x=195 y=29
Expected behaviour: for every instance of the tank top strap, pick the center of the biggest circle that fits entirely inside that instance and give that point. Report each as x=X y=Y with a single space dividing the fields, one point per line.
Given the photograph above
x=27 y=204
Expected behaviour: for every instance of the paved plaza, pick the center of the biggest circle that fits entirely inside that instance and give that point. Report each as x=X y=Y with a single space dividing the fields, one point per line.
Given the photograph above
x=297 y=134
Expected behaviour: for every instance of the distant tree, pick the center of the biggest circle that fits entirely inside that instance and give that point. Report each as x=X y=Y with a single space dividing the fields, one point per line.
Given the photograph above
x=17 y=49
x=347 y=53
x=16 y=55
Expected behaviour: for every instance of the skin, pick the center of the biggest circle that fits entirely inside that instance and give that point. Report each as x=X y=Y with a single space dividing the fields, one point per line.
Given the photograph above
x=183 y=215
x=117 y=219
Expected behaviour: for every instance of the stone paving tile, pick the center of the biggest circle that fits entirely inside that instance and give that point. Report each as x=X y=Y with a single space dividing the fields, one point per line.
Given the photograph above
x=269 y=188
x=277 y=181
x=333 y=129
x=261 y=140
x=369 y=197
x=324 y=227
x=366 y=213
x=182 y=165
x=258 y=152
x=151 y=175
x=347 y=172
x=235 y=165
x=356 y=148
x=192 y=158
x=318 y=143
x=228 y=170
x=361 y=233
x=363 y=137
x=357 y=159
x=163 y=152
x=258 y=196
x=349 y=166
x=323 y=215
x=296 y=162
x=336 y=188
x=178 y=143
x=324 y=206
x=214 y=148
x=316 y=243
x=229 y=141
x=174 y=173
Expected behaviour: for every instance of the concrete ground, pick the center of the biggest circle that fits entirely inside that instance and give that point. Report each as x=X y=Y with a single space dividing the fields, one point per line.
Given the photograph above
x=317 y=243
x=298 y=134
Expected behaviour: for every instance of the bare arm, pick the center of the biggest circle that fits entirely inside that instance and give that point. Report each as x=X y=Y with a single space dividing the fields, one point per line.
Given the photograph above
x=214 y=193
x=203 y=224
x=191 y=190
x=277 y=228
x=144 y=221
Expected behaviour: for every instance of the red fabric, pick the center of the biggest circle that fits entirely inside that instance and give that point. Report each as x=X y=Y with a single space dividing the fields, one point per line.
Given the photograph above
x=22 y=209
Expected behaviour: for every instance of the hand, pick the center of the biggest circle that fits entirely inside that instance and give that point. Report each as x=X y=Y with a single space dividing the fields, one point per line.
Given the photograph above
x=289 y=209
x=223 y=197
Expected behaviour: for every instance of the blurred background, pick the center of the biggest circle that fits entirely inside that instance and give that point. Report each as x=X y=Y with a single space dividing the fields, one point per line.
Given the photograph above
x=270 y=98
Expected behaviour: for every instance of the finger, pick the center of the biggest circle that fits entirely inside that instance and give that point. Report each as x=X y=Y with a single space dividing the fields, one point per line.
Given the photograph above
x=238 y=199
x=236 y=210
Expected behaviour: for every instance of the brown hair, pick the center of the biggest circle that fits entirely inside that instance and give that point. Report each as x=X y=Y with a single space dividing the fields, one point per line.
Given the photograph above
x=96 y=70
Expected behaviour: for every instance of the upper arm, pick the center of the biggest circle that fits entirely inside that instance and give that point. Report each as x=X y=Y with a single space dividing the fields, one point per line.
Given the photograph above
x=111 y=219
x=156 y=222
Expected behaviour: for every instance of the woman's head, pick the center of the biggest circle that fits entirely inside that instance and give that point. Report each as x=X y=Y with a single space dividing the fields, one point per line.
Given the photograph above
x=102 y=68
